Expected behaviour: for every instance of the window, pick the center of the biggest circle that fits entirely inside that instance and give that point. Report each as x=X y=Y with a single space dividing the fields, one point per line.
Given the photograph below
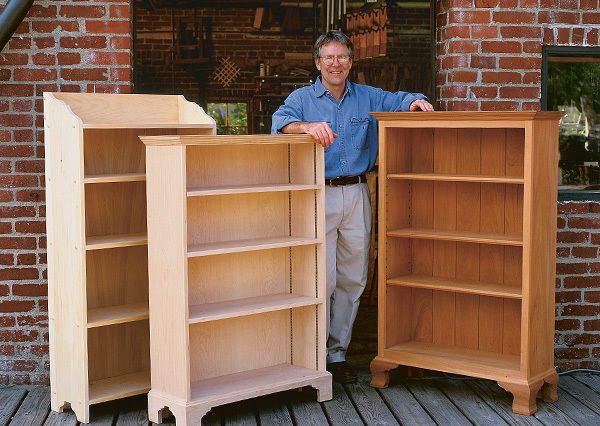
x=231 y=118
x=571 y=83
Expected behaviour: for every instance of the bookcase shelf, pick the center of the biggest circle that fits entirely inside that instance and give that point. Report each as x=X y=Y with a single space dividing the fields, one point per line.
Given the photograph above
x=236 y=226
x=97 y=243
x=467 y=226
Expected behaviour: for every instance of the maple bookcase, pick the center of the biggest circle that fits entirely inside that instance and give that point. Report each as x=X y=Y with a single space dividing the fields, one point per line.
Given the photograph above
x=236 y=270
x=97 y=244
x=467 y=240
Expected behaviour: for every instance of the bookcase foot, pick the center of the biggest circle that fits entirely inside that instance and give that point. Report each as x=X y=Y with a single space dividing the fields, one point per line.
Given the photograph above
x=324 y=387
x=380 y=371
x=549 y=390
x=524 y=396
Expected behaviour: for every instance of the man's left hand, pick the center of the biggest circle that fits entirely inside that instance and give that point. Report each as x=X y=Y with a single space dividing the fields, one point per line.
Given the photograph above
x=421 y=105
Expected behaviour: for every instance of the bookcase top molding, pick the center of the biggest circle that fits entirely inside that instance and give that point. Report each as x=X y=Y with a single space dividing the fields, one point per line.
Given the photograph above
x=226 y=140
x=454 y=117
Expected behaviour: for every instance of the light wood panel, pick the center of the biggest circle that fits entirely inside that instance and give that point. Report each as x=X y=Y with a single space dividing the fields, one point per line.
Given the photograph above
x=459 y=289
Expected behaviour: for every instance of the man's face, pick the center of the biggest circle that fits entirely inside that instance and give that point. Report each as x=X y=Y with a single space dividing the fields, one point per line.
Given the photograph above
x=335 y=74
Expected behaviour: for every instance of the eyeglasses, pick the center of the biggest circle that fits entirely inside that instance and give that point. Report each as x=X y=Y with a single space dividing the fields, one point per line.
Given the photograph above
x=329 y=59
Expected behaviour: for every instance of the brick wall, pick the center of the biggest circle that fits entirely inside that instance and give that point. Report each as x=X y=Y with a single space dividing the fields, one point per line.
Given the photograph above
x=578 y=286
x=60 y=46
x=489 y=52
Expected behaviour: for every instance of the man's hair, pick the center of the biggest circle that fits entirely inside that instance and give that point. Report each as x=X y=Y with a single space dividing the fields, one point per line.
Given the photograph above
x=332 y=36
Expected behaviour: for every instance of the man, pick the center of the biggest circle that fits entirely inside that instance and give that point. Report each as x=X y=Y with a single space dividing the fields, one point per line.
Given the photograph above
x=335 y=112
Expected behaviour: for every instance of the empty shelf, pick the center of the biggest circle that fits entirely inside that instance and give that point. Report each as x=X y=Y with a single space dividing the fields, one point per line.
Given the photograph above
x=469 y=237
x=115 y=177
x=459 y=286
x=119 y=387
x=247 y=189
x=117 y=314
x=114 y=241
x=248 y=245
x=458 y=178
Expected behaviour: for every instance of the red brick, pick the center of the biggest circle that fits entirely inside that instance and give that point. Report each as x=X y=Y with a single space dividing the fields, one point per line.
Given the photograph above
x=82 y=11
x=19 y=43
x=549 y=36
x=486 y=3
x=462 y=76
x=23 y=243
x=525 y=31
x=9 y=90
x=23 y=365
x=585 y=252
x=29 y=320
x=29 y=196
x=18 y=274
x=30 y=166
x=469 y=17
x=456 y=32
x=16 y=211
x=31 y=227
x=572 y=353
x=569 y=4
x=14 y=59
x=581 y=310
x=573 y=207
x=455 y=61
x=572 y=237
x=567 y=324
x=44 y=42
x=38 y=11
x=23 y=135
x=108 y=27
x=581 y=282
x=560 y=223
x=16 y=151
x=16 y=120
x=39 y=350
x=5 y=75
x=66 y=58
x=454 y=91
x=22 y=105
x=499 y=106
x=532 y=47
x=485 y=91
x=108 y=88
x=592 y=296
x=577 y=36
x=26 y=259
x=508 y=4
x=481 y=62
x=563 y=252
x=572 y=269
x=120 y=74
x=107 y=58
x=595 y=239
x=43 y=59
x=6 y=196
x=561 y=296
x=584 y=222
x=120 y=11
x=83 y=42
x=529 y=4
x=594 y=207
x=592 y=38
x=15 y=306
x=502 y=77
x=511 y=62
x=34 y=74
x=519 y=92
x=84 y=74
x=120 y=43
x=591 y=325
x=583 y=339
x=588 y=4
x=51 y=26
x=511 y=17
x=501 y=47
x=45 y=87
x=563 y=35
x=5 y=228
x=3 y=287
x=462 y=106
x=554 y=17
x=534 y=77
x=590 y=18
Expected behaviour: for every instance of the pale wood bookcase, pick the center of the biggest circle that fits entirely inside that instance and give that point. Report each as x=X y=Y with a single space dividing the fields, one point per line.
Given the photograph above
x=467 y=240
x=236 y=267
x=97 y=244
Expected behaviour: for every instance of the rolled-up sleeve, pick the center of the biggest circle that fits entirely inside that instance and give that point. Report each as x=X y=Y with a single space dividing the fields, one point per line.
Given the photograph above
x=398 y=101
x=290 y=112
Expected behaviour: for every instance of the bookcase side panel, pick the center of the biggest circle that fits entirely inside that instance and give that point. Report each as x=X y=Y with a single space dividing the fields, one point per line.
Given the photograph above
x=540 y=270
x=167 y=270
x=66 y=257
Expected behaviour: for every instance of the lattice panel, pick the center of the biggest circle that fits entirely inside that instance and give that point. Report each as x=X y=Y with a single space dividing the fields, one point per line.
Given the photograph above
x=227 y=72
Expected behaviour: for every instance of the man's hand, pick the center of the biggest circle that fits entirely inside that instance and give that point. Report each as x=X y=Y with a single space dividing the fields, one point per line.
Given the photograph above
x=321 y=132
x=421 y=105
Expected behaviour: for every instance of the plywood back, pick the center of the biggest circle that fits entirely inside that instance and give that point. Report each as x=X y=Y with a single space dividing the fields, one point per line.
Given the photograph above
x=113 y=151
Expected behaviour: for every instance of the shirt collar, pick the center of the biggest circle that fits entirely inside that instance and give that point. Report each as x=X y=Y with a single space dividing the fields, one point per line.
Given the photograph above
x=320 y=90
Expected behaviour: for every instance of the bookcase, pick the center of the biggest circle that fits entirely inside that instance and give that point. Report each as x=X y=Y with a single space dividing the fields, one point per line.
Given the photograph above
x=97 y=243
x=467 y=248
x=236 y=270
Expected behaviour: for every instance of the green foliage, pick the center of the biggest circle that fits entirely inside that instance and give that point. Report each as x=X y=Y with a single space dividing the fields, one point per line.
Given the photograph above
x=231 y=118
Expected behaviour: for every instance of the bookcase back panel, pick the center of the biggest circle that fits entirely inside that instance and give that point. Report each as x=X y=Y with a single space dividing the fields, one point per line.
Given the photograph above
x=234 y=345
x=220 y=165
x=112 y=151
x=495 y=208
x=118 y=349
x=305 y=347
x=489 y=324
x=304 y=270
x=302 y=160
x=115 y=208
x=116 y=276
x=495 y=152
x=260 y=215
x=449 y=259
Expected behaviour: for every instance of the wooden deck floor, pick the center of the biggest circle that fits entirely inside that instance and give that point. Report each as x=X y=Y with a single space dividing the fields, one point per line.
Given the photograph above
x=439 y=400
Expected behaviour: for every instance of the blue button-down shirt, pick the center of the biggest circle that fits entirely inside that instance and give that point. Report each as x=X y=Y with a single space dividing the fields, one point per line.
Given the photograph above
x=354 y=151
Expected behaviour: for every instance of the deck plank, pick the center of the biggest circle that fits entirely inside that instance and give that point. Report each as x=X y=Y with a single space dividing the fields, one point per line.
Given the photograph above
x=339 y=410
x=133 y=411
x=273 y=411
x=34 y=409
x=370 y=405
x=581 y=392
x=66 y=418
x=439 y=407
x=306 y=410
x=10 y=400
x=239 y=414
x=576 y=410
x=471 y=405
x=103 y=414
x=405 y=407
x=501 y=402
x=593 y=381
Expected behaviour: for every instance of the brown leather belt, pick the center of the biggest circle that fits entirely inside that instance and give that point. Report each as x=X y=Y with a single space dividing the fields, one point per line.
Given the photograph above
x=346 y=180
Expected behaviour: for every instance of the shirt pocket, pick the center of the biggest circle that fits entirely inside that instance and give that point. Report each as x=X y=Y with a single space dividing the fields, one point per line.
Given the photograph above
x=358 y=132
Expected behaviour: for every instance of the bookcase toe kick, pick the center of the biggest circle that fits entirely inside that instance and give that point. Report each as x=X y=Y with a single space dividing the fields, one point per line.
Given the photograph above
x=220 y=390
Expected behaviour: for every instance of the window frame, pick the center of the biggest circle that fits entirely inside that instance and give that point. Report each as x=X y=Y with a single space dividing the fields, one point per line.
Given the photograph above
x=228 y=102
x=547 y=53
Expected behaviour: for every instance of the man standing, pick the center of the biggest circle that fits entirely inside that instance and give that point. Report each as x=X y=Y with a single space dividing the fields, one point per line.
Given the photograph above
x=335 y=112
